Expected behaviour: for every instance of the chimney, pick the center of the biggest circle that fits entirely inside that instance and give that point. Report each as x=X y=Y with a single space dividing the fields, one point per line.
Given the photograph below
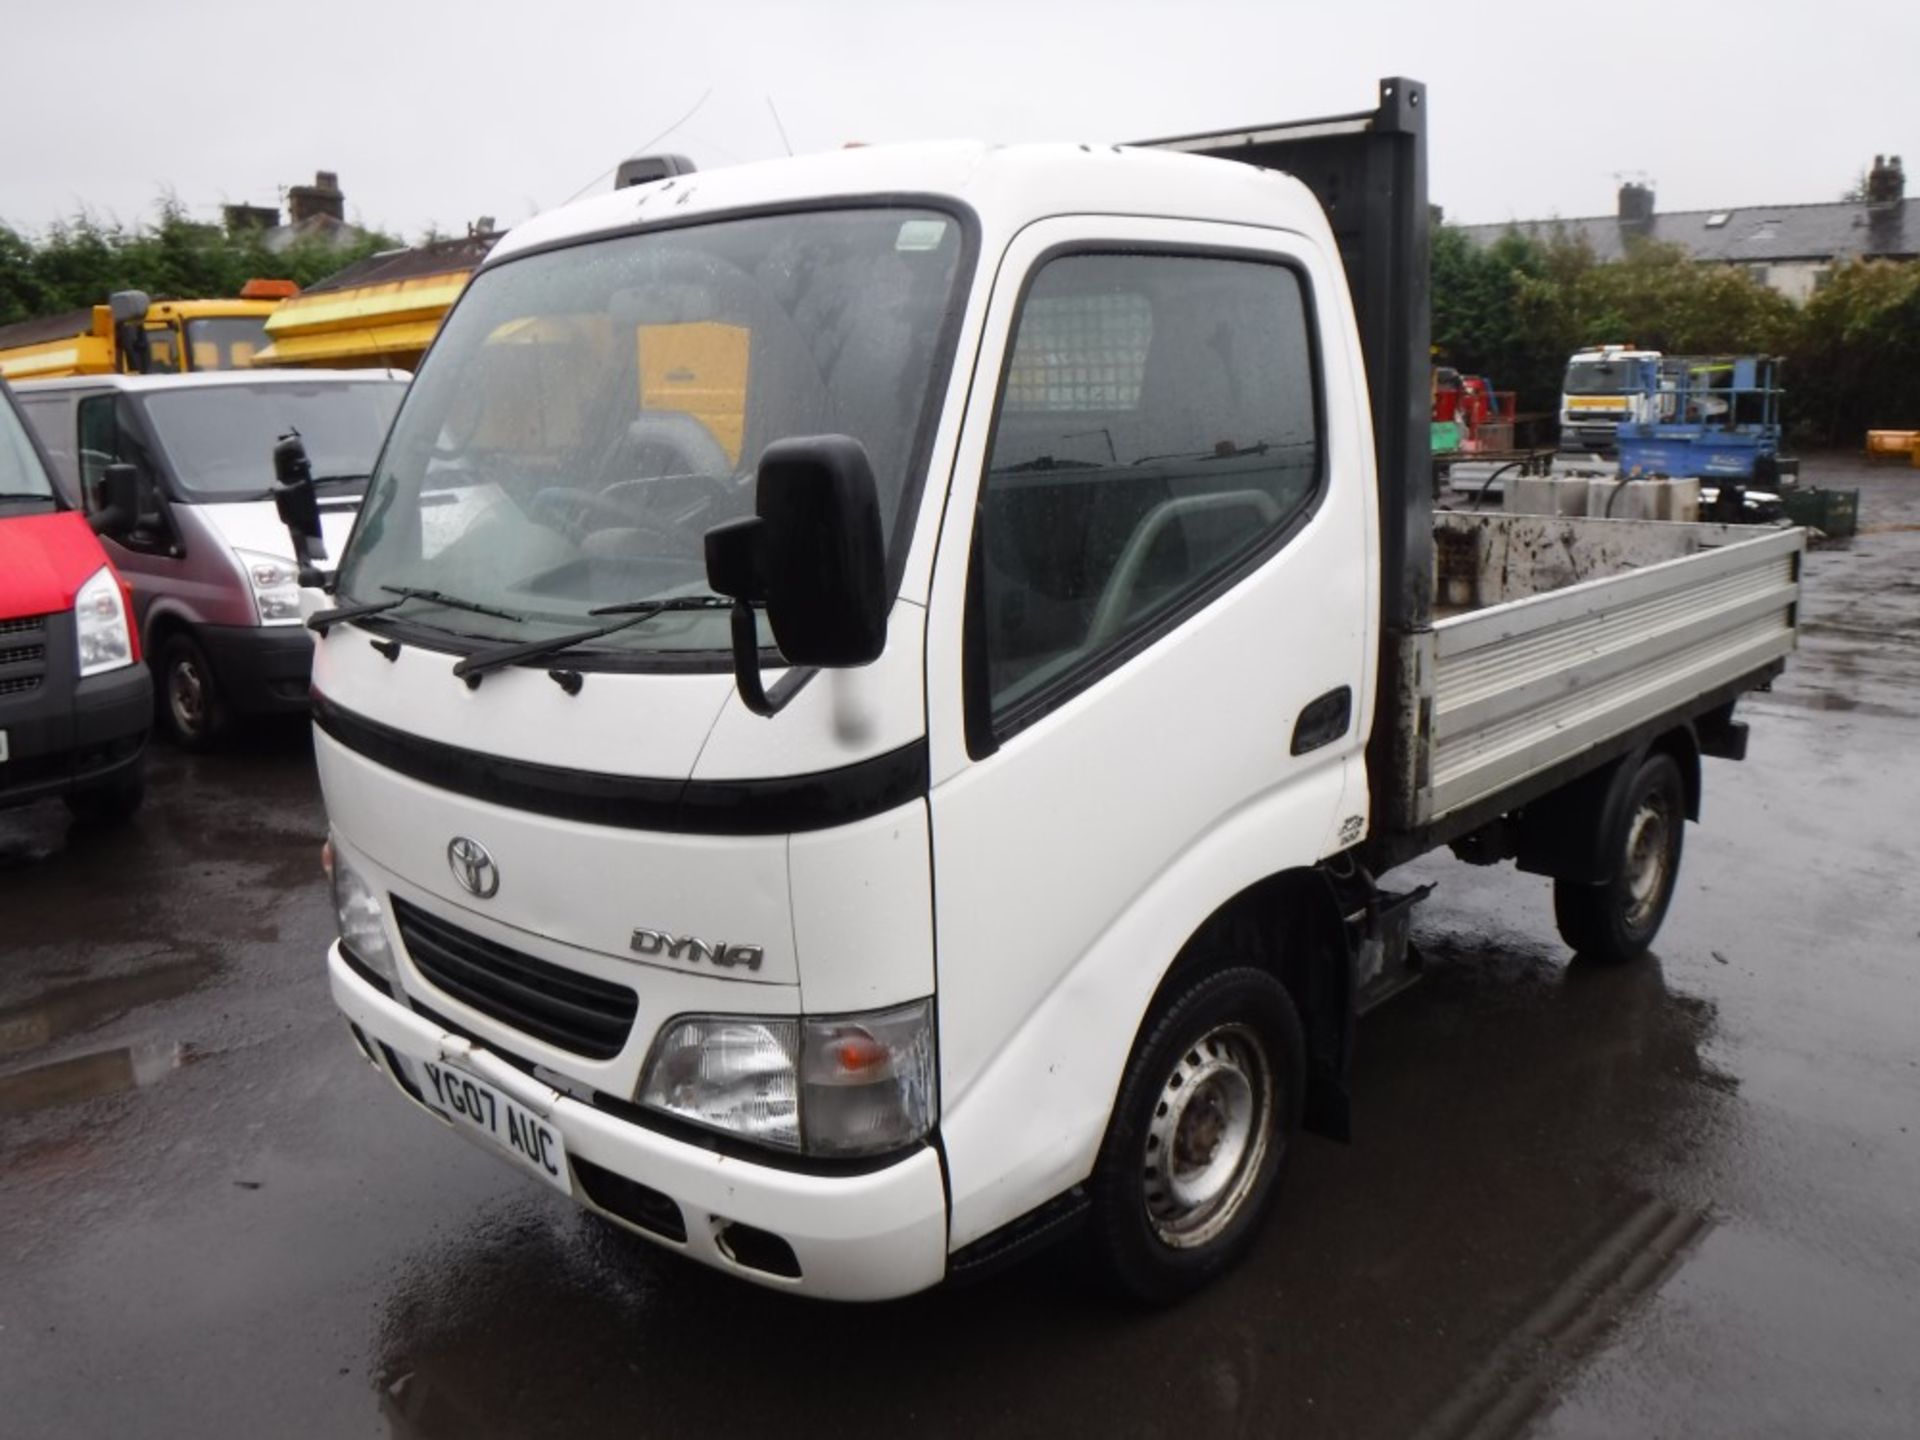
x=239 y=218
x=1886 y=183
x=323 y=197
x=1636 y=208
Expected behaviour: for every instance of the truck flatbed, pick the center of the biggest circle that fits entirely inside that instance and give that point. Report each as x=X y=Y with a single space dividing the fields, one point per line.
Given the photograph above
x=1569 y=633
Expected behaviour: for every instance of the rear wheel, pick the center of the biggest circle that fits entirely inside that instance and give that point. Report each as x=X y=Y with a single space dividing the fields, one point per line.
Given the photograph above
x=1617 y=920
x=190 y=702
x=1207 y=1112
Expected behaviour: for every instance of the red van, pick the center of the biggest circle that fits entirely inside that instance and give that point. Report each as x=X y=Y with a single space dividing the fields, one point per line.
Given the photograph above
x=75 y=701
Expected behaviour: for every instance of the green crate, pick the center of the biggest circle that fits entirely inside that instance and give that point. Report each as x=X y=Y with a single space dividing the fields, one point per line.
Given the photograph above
x=1835 y=512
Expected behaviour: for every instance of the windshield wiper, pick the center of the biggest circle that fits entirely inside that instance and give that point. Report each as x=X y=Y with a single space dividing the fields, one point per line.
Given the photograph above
x=24 y=495
x=441 y=597
x=636 y=612
x=320 y=620
x=325 y=482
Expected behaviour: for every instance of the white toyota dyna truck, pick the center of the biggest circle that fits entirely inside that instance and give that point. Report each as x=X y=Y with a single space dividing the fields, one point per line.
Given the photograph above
x=870 y=695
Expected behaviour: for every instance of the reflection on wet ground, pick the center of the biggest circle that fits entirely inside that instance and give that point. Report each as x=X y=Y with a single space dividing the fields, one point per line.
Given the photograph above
x=78 y=1007
x=85 y=1077
x=1676 y=1198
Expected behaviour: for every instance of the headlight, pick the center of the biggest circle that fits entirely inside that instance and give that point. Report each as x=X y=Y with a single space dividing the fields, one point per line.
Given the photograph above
x=276 y=586
x=836 y=1085
x=362 y=919
x=104 y=638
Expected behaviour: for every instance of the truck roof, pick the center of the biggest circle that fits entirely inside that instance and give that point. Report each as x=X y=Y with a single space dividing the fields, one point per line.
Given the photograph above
x=199 y=379
x=1006 y=186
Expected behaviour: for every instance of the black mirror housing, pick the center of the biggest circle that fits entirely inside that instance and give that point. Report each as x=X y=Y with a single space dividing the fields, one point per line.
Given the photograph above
x=813 y=555
x=116 y=501
x=296 y=502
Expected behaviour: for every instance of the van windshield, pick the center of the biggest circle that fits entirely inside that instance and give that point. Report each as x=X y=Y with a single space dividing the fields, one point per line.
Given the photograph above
x=219 y=439
x=588 y=414
x=1601 y=377
x=22 y=477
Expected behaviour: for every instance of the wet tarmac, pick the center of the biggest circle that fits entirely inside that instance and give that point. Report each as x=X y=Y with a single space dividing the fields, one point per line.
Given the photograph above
x=1681 y=1198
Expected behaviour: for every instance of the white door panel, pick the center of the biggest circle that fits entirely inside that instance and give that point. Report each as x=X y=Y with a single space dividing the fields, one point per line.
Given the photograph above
x=1093 y=841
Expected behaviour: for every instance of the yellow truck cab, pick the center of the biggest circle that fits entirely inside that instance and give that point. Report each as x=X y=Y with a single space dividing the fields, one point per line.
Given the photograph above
x=133 y=335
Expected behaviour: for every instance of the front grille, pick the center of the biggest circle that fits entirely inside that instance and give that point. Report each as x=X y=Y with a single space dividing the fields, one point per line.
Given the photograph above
x=575 y=1012
x=23 y=654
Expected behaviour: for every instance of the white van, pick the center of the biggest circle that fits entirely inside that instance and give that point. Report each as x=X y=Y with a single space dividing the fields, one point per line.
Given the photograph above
x=215 y=588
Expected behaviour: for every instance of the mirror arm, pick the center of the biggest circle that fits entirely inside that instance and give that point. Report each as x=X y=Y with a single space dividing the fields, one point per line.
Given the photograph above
x=746 y=669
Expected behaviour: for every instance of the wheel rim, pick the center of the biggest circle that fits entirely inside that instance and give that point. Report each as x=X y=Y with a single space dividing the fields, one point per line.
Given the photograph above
x=1209 y=1136
x=1649 y=859
x=187 y=695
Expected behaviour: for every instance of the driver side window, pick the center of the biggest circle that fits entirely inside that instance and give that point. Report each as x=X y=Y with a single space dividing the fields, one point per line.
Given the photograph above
x=106 y=438
x=1157 y=435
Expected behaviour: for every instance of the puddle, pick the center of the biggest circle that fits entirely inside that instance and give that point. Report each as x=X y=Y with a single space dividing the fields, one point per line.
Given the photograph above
x=72 y=1009
x=87 y=1077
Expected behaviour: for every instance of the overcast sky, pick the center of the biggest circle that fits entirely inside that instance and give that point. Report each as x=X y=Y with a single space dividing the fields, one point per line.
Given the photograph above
x=438 y=114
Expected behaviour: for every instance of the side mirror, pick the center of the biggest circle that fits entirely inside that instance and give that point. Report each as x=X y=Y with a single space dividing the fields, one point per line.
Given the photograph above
x=813 y=556
x=116 y=501
x=129 y=310
x=299 y=507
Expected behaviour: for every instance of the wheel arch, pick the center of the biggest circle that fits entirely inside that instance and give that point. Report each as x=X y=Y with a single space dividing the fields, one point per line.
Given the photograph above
x=1564 y=834
x=163 y=622
x=1290 y=924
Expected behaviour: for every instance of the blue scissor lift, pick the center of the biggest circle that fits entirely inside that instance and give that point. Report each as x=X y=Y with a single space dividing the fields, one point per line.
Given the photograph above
x=1716 y=417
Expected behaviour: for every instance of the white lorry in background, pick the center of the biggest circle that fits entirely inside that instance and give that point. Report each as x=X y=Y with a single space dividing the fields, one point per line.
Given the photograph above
x=1601 y=388
x=945 y=813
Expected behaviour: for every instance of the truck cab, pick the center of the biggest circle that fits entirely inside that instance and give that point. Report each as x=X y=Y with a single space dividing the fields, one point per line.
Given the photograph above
x=134 y=335
x=215 y=588
x=1603 y=387
x=75 y=703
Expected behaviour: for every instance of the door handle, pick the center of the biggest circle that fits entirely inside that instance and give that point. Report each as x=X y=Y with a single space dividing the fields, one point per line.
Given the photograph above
x=1323 y=721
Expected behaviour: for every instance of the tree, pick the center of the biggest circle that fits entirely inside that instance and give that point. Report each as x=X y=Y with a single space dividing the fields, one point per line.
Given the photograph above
x=82 y=260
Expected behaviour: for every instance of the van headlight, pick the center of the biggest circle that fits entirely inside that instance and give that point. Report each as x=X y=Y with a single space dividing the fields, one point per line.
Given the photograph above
x=840 y=1085
x=362 y=918
x=275 y=581
x=101 y=632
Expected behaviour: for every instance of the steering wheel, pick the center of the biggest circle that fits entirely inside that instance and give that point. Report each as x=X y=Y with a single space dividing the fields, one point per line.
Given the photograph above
x=678 y=457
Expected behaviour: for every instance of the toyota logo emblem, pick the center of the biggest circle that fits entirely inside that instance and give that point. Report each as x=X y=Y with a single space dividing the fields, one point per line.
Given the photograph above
x=473 y=867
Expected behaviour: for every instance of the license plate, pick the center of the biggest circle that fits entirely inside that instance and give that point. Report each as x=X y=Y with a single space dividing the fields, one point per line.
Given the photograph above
x=468 y=1101
x=3 y=747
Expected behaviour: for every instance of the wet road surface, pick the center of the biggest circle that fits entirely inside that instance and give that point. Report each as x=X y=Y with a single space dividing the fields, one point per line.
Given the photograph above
x=1677 y=1198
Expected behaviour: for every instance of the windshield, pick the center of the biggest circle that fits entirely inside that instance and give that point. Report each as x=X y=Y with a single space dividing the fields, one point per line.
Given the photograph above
x=22 y=477
x=588 y=414
x=1602 y=377
x=219 y=439
x=229 y=343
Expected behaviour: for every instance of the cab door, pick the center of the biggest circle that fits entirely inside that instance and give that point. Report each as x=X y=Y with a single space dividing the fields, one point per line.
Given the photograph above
x=150 y=555
x=1147 y=655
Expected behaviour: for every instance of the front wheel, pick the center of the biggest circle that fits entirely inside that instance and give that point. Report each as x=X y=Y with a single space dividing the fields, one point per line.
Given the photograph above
x=190 y=701
x=1207 y=1111
x=1616 y=921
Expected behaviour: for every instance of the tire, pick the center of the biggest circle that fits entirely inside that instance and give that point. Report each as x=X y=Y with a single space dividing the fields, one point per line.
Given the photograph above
x=1616 y=921
x=191 y=706
x=1220 y=1065
x=112 y=804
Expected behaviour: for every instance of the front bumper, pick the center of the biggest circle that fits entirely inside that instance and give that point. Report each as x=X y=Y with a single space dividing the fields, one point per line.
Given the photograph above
x=869 y=1236
x=261 y=669
x=75 y=735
